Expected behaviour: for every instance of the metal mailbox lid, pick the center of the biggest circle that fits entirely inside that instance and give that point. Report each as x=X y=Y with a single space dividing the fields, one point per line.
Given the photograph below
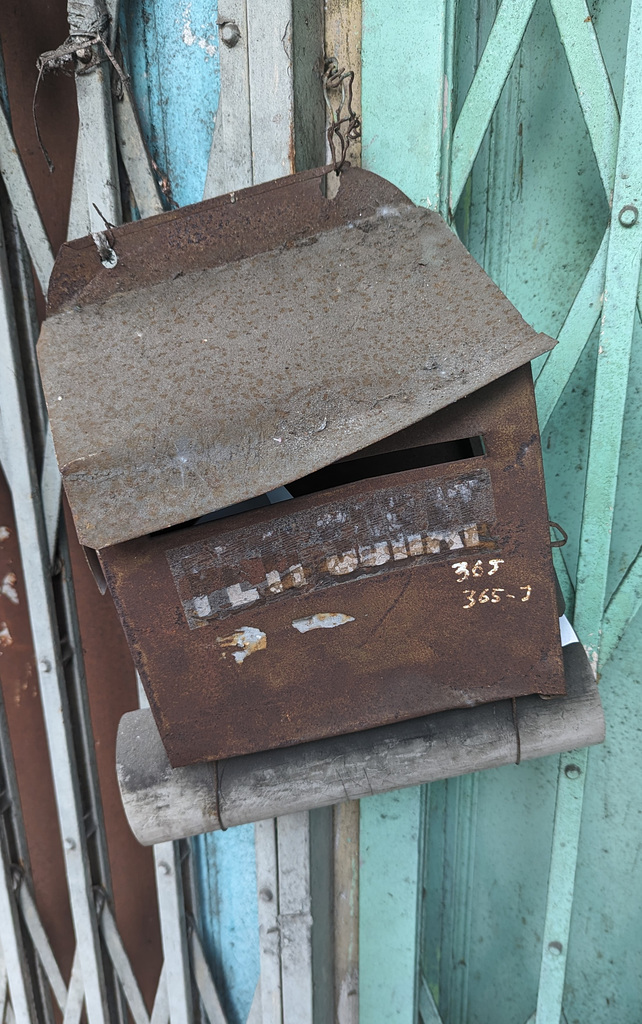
x=242 y=343
x=377 y=601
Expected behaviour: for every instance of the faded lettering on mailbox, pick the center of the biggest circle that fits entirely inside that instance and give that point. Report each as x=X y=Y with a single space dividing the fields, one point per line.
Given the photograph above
x=331 y=544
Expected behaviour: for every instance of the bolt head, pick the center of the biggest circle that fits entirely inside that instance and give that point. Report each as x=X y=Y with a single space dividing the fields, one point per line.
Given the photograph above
x=267 y=895
x=230 y=33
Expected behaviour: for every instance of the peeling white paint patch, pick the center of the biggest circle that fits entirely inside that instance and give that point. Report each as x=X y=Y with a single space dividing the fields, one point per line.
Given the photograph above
x=340 y=565
x=240 y=597
x=324 y=620
x=202 y=606
x=5 y=636
x=189 y=37
x=5 y=533
x=248 y=639
x=375 y=554
x=8 y=588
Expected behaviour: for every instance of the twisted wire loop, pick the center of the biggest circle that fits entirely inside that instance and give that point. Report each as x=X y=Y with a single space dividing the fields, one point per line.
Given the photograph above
x=345 y=126
x=563 y=535
x=86 y=46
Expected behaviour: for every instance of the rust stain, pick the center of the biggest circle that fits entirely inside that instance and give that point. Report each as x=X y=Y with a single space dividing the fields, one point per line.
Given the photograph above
x=247 y=640
x=322 y=620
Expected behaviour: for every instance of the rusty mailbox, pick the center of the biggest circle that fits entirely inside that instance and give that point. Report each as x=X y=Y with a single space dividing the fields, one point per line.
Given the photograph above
x=348 y=366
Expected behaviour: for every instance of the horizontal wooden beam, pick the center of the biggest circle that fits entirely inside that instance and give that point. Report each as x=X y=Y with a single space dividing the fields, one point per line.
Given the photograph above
x=164 y=803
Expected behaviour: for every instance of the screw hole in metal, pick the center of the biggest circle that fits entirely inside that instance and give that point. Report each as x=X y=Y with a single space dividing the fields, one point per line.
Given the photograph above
x=572 y=771
x=628 y=216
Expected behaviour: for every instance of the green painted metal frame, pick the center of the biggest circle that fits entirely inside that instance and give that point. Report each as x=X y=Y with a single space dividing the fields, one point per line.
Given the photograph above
x=418 y=147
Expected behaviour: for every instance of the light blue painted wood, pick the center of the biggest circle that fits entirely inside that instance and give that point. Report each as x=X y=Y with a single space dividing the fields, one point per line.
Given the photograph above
x=174 y=66
x=388 y=901
x=173 y=60
x=229 y=925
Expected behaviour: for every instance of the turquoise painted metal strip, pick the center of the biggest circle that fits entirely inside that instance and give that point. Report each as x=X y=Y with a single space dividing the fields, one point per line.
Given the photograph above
x=496 y=62
x=579 y=323
x=559 y=903
x=389 y=848
x=592 y=83
x=619 y=310
x=403 y=94
x=622 y=609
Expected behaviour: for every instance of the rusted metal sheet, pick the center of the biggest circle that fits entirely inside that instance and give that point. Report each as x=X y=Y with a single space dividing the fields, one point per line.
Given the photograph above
x=379 y=600
x=242 y=343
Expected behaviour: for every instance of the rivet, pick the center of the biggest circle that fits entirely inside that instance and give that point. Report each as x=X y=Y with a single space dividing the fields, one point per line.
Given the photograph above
x=628 y=216
x=266 y=894
x=230 y=33
x=164 y=867
x=555 y=948
x=45 y=665
x=572 y=771
x=70 y=844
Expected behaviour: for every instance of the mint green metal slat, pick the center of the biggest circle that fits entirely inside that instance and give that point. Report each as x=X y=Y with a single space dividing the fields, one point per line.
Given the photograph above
x=404 y=142
x=622 y=609
x=591 y=82
x=389 y=891
x=496 y=62
x=402 y=139
x=559 y=901
x=579 y=323
x=622 y=279
x=620 y=296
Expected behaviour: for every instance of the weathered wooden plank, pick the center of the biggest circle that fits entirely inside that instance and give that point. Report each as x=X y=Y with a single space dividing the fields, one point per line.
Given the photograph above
x=295 y=917
x=163 y=803
x=343 y=41
x=267 y=883
x=346 y=912
x=230 y=161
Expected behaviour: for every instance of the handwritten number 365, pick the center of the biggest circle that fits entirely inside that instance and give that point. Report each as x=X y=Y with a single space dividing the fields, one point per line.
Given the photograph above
x=494 y=596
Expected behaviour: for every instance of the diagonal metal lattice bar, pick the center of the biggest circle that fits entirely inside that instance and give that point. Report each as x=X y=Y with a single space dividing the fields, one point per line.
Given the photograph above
x=611 y=380
x=622 y=609
x=494 y=67
x=572 y=338
x=592 y=83
x=24 y=204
